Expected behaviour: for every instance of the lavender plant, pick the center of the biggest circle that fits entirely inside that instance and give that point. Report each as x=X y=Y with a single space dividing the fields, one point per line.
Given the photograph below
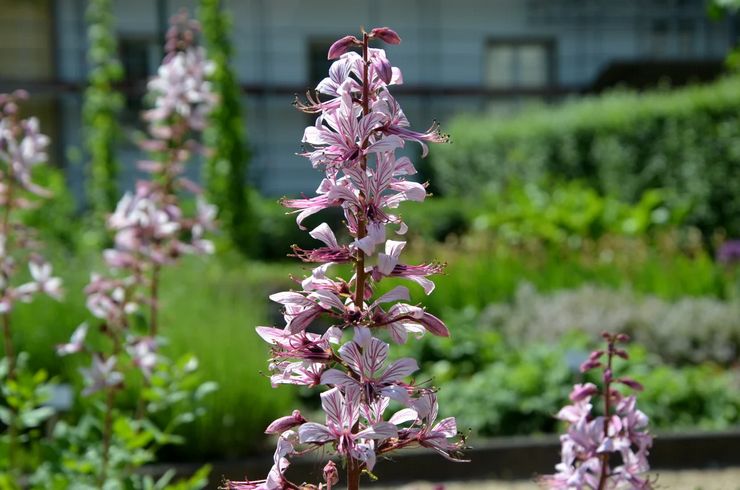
x=151 y=231
x=24 y=393
x=357 y=132
x=593 y=442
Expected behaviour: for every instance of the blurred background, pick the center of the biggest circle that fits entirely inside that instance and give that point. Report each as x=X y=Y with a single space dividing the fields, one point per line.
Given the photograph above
x=592 y=183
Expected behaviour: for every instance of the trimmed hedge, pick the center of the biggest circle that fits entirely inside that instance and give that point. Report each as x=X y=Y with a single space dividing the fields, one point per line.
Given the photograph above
x=685 y=140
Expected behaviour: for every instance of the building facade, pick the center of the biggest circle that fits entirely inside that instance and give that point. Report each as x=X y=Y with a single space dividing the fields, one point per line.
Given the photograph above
x=456 y=56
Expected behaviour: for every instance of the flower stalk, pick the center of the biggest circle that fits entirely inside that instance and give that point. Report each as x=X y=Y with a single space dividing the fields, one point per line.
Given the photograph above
x=22 y=147
x=359 y=128
x=591 y=440
x=151 y=231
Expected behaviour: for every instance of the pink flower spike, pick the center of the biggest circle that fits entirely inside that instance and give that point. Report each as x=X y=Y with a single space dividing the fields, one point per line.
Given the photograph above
x=341 y=46
x=386 y=35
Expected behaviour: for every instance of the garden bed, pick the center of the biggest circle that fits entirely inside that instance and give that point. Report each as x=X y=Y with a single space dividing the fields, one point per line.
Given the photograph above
x=505 y=458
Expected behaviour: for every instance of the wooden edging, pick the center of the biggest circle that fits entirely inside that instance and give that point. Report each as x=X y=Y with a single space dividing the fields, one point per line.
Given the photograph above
x=505 y=458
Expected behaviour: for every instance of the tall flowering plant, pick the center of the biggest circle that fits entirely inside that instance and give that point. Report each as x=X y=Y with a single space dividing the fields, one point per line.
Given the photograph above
x=358 y=129
x=151 y=231
x=22 y=148
x=594 y=442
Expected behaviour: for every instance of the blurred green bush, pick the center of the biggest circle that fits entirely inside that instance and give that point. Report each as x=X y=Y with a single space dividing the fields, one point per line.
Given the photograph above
x=496 y=386
x=686 y=141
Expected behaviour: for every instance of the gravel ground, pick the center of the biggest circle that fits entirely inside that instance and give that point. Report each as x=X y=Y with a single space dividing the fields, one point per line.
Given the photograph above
x=724 y=479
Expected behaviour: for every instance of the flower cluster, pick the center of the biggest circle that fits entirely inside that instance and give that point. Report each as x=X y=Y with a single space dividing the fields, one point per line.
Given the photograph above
x=151 y=230
x=150 y=227
x=591 y=440
x=181 y=88
x=22 y=147
x=357 y=132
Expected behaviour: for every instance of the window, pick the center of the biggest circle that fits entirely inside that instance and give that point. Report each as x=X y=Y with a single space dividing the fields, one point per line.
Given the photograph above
x=318 y=65
x=139 y=58
x=519 y=64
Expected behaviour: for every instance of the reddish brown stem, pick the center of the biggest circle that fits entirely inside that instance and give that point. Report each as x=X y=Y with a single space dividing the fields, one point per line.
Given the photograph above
x=7 y=335
x=607 y=408
x=354 y=467
x=154 y=301
x=362 y=214
x=354 y=470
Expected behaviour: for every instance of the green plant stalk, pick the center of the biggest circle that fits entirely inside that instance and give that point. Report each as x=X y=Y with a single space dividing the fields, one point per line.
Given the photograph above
x=225 y=170
x=101 y=108
x=8 y=337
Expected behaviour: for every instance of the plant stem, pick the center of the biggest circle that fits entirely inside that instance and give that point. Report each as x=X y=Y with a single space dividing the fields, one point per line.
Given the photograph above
x=107 y=433
x=607 y=408
x=354 y=470
x=8 y=338
x=362 y=218
x=7 y=333
x=154 y=300
x=354 y=467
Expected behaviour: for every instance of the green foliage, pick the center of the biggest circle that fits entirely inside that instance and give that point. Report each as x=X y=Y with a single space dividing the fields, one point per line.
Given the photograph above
x=225 y=169
x=23 y=411
x=102 y=107
x=685 y=141
x=172 y=397
x=496 y=389
x=566 y=213
x=277 y=232
x=55 y=218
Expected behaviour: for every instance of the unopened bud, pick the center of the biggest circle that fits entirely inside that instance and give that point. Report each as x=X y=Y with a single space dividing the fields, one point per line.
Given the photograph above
x=284 y=423
x=383 y=69
x=331 y=475
x=341 y=46
x=581 y=392
x=589 y=365
x=386 y=35
x=631 y=383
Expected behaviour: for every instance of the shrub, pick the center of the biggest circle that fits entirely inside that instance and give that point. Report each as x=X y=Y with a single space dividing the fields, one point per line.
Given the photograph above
x=687 y=140
x=520 y=390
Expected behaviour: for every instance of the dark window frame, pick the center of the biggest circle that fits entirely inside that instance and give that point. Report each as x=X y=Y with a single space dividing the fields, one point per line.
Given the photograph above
x=551 y=50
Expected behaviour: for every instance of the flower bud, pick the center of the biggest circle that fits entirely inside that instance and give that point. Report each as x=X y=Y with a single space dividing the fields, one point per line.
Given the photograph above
x=581 y=392
x=331 y=475
x=383 y=68
x=631 y=383
x=341 y=46
x=589 y=365
x=284 y=423
x=386 y=35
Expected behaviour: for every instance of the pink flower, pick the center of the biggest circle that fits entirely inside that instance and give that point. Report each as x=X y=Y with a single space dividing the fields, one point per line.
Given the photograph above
x=101 y=375
x=76 y=343
x=375 y=379
x=342 y=413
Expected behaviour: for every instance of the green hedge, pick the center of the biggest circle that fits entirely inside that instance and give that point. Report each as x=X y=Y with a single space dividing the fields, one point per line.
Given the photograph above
x=685 y=140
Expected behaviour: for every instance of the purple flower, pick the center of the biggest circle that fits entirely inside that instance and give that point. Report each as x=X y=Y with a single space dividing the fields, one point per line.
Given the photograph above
x=358 y=128
x=729 y=252
x=375 y=378
x=342 y=413
x=590 y=440
x=101 y=375
x=76 y=342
